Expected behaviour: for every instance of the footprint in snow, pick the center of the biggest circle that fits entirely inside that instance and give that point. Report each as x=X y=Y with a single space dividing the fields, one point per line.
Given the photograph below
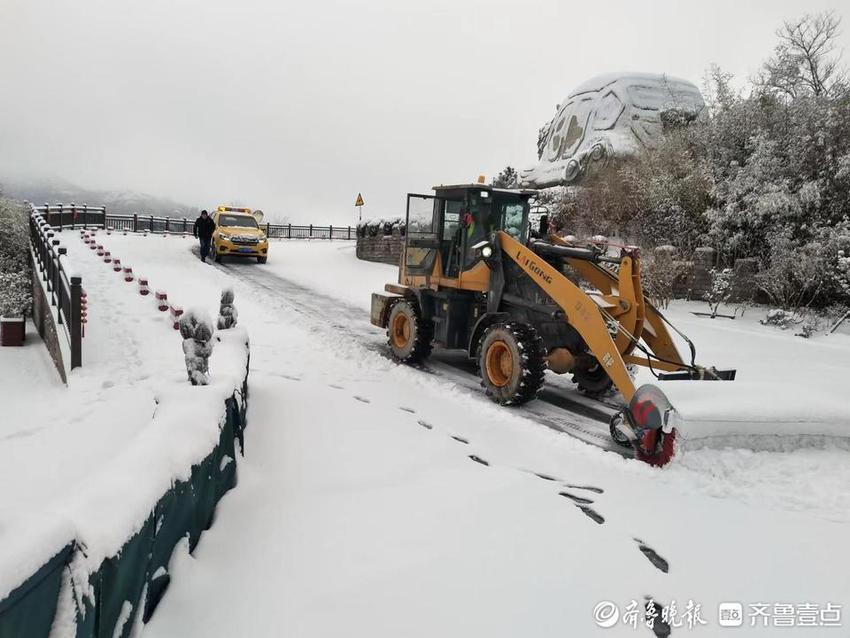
x=591 y=514
x=654 y=610
x=460 y=439
x=478 y=459
x=576 y=499
x=589 y=488
x=411 y=410
x=545 y=477
x=426 y=425
x=335 y=386
x=657 y=561
x=362 y=399
x=290 y=377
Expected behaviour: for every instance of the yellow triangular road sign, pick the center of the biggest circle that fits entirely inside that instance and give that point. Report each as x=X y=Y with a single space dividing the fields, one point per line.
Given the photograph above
x=359 y=201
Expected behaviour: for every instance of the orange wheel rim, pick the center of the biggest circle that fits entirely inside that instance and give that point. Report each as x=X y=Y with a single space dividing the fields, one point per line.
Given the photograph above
x=499 y=364
x=400 y=331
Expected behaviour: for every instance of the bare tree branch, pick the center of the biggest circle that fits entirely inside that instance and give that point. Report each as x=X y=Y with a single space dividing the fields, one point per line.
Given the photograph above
x=805 y=60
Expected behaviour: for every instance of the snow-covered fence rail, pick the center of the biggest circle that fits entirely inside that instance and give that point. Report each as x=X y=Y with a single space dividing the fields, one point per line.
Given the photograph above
x=291 y=231
x=63 y=286
x=85 y=216
x=72 y=215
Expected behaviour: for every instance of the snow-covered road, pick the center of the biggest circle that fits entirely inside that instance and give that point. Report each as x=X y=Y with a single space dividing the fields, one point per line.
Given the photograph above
x=380 y=500
x=361 y=510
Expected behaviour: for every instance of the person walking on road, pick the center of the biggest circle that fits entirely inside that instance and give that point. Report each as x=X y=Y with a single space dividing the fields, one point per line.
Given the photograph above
x=204 y=227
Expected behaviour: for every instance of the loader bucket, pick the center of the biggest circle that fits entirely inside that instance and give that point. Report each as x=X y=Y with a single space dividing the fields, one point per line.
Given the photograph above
x=656 y=425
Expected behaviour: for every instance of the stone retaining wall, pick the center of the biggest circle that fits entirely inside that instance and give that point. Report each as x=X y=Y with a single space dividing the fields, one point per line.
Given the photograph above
x=385 y=249
x=44 y=323
x=693 y=282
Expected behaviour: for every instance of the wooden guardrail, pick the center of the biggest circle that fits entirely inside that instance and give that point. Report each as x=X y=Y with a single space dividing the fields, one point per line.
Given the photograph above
x=64 y=287
x=85 y=216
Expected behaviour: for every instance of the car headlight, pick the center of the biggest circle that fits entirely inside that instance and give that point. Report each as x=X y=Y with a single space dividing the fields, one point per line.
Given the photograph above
x=222 y=236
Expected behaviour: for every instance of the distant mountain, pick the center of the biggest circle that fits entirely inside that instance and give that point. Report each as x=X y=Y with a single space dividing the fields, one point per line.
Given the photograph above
x=54 y=191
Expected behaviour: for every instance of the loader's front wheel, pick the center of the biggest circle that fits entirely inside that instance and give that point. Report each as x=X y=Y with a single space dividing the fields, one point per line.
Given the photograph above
x=512 y=361
x=408 y=333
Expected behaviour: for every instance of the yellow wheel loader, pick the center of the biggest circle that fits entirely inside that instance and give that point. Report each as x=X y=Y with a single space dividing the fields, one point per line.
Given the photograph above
x=472 y=277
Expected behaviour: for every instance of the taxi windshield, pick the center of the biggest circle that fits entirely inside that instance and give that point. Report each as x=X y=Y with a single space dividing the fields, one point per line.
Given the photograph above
x=242 y=221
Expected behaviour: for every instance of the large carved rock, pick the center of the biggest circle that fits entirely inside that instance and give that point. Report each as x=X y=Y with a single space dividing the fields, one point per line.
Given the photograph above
x=609 y=116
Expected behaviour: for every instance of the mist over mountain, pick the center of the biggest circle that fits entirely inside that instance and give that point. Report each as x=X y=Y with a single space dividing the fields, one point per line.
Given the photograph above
x=54 y=191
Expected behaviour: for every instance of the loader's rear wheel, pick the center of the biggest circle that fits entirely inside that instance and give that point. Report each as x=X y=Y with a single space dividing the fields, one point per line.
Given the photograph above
x=512 y=361
x=408 y=333
x=592 y=379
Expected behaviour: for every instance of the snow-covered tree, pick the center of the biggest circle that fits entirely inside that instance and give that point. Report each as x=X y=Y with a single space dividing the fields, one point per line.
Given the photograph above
x=720 y=290
x=805 y=61
x=507 y=178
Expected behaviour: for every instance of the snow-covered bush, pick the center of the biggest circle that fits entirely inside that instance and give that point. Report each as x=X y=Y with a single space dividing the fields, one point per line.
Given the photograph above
x=15 y=294
x=720 y=290
x=196 y=330
x=15 y=268
x=659 y=273
x=227 y=314
x=794 y=273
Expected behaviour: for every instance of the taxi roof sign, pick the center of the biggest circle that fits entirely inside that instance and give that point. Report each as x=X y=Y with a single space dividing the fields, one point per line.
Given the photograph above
x=359 y=201
x=231 y=209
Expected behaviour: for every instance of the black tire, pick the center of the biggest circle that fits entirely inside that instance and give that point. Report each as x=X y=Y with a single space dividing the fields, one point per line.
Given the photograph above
x=512 y=363
x=262 y=260
x=593 y=380
x=216 y=255
x=409 y=334
x=616 y=436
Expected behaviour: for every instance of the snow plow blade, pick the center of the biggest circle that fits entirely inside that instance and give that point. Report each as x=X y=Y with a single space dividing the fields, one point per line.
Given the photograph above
x=701 y=374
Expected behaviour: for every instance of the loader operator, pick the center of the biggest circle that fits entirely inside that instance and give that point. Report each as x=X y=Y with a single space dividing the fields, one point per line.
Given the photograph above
x=203 y=230
x=478 y=227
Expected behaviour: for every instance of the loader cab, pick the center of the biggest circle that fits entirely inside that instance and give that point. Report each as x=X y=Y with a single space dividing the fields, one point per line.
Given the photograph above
x=443 y=228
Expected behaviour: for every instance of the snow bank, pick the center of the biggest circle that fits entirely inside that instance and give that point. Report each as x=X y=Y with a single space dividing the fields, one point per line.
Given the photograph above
x=113 y=502
x=97 y=455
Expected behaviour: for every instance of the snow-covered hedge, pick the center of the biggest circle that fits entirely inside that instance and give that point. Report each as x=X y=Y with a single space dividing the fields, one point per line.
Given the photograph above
x=15 y=277
x=380 y=227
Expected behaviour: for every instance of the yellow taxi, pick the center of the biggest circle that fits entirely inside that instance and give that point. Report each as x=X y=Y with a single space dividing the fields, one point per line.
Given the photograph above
x=238 y=234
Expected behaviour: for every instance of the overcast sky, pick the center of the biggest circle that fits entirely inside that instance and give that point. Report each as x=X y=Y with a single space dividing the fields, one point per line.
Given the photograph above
x=295 y=107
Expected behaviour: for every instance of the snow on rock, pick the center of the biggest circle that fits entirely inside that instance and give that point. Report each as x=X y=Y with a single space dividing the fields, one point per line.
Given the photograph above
x=611 y=115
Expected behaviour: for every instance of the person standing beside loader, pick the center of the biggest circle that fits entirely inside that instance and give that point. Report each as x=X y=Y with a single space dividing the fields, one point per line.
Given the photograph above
x=203 y=230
